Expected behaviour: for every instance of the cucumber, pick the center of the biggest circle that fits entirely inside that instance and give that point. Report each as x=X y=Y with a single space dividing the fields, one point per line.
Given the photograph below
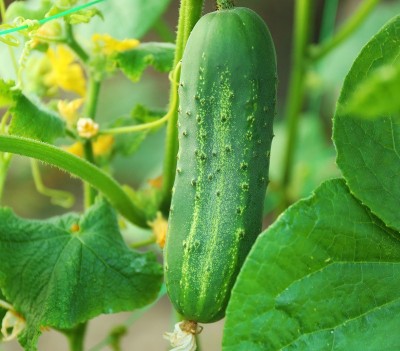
x=227 y=103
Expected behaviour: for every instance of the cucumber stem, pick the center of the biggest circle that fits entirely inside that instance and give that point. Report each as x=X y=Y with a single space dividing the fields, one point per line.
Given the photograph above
x=189 y=14
x=76 y=337
x=301 y=33
x=225 y=4
x=79 y=168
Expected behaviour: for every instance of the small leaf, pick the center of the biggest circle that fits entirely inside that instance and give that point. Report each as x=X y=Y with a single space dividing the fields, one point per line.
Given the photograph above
x=368 y=150
x=32 y=120
x=378 y=95
x=69 y=269
x=134 y=62
x=325 y=276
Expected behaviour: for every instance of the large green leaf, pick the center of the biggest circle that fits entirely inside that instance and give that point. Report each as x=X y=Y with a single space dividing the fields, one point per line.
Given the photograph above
x=69 y=269
x=32 y=120
x=368 y=150
x=125 y=19
x=378 y=95
x=325 y=276
x=134 y=62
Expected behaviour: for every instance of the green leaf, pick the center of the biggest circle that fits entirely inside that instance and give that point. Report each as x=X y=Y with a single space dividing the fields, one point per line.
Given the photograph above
x=7 y=95
x=134 y=62
x=378 y=95
x=71 y=268
x=34 y=121
x=130 y=19
x=31 y=9
x=368 y=150
x=325 y=276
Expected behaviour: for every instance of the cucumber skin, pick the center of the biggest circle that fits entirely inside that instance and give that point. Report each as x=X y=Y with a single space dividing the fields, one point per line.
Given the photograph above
x=227 y=105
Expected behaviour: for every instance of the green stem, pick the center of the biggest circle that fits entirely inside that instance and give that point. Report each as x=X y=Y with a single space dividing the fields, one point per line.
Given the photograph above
x=142 y=243
x=5 y=159
x=326 y=32
x=225 y=4
x=136 y=128
x=301 y=33
x=189 y=14
x=79 y=168
x=319 y=51
x=92 y=97
x=74 y=45
x=2 y=10
x=58 y=197
x=76 y=337
x=90 y=111
x=89 y=192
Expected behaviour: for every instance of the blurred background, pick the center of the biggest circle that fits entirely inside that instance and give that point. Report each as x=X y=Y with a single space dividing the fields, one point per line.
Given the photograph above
x=314 y=158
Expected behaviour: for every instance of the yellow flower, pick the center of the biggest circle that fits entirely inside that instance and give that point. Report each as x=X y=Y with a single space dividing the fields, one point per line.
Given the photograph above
x=65 y=73
x=160 y=227
x=75 y=149
x=69 y=110
x=108 y=45
x=103 y=145
x=156 y=182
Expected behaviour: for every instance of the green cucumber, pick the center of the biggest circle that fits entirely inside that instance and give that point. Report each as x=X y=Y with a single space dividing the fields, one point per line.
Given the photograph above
x=227 y=105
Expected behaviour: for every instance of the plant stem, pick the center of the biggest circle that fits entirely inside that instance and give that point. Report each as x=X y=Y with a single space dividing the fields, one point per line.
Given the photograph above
x=74 y=45
x=58 y=197
x=301 y=34
x=79 y=168
x=2 y=10
x=88 y=191
x=319 y=51
x=4 y=165
x=142 y=243
x=225 y=4
x=76 y=337
x=326 y=32
x=5 y=158
x=136 y=128
x=92 y=97
x=90 y=111
x=189 y=14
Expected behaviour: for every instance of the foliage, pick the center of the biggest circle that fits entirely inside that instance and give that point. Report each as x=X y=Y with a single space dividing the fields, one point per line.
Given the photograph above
x=75 y=262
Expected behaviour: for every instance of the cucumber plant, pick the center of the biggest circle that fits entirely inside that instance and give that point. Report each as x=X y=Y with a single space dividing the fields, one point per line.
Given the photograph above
x=75 y=95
